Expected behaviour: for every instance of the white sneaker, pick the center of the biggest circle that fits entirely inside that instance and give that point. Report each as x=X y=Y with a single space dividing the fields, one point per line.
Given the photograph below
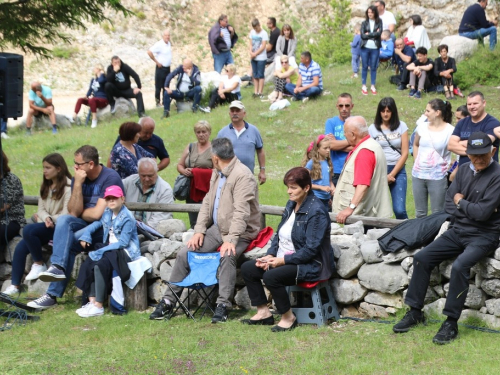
x=305 y=100
x=94 y=124
x=11 y=290
x=36 y=269
x=205 y=109
x=84 y=307
x=92 y=310
x=5 y=136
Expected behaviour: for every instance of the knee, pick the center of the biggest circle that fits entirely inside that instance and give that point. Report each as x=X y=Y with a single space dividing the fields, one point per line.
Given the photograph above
x=197 y=89
x=108 y=86
x=247 y=268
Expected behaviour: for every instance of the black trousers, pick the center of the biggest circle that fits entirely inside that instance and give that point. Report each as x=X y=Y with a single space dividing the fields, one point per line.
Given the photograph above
x=276 y=279
x=8 y=232
x=113 y=92
x=160 y=77
x=469 y=247
x=215 y=99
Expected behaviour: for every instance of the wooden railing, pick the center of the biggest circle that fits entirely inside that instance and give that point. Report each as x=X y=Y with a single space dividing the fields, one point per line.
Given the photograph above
x=266 y=210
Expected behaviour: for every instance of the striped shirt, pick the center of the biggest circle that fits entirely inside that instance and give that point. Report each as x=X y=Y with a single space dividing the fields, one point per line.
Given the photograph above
x=308 y=73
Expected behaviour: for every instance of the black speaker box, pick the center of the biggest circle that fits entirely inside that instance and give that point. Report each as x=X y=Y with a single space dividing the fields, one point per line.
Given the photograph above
x=11 y=85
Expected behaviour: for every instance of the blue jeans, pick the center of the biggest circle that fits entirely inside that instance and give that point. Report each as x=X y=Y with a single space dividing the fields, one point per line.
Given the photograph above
x=194 y=93
x=355 y=63
x=34 y=237
x=66 y=245
x=481 y=33
x=369 y=58
x=258 y=68
x=4 y=126
x=309 y=93
x=398 y=193
x=223 y=58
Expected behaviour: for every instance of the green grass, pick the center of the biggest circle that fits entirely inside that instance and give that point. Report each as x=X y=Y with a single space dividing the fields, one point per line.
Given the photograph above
x=63 y=343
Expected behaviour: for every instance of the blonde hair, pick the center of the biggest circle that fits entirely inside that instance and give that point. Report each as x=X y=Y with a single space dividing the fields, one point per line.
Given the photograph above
x=316 y=165
x=231 y=67
x=201 y=125
x=284 y=57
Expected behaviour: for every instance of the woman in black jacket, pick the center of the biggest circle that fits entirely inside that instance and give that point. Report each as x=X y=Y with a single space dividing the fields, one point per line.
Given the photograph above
x=371 y=30
x=300 y=251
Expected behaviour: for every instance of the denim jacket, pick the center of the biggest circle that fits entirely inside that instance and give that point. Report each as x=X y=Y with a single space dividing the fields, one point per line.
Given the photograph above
x=124 y=227
x=311 y=239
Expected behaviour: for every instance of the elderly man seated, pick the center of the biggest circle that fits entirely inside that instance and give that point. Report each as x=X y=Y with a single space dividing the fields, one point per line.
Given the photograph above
x=473 y=201
x=148 y=187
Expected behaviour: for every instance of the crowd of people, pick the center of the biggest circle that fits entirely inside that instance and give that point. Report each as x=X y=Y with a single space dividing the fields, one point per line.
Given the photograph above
x=351 y=169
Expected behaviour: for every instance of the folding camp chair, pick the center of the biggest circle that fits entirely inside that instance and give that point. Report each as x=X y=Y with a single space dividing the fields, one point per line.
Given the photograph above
x=203 y=275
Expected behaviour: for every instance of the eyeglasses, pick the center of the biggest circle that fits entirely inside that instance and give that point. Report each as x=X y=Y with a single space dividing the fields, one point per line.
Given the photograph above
x=284 y=62
x=344 y=105
x=80 y=164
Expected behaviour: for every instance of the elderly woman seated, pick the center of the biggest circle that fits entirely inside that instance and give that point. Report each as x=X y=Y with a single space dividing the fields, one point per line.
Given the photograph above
x=300 y=251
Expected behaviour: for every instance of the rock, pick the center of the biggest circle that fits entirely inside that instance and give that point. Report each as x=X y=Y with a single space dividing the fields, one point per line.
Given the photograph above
x=490 y=305
x=336 y=251
x=155 y=272
x=347 y=291
x=375 y=234
x=435 y=308
x=186 y=236
x=371 y=252
x=5 y=285
x=5 y=271
x=351 y=311
x=483 y=310
x=444 y=228
x=357 y=227
x=475 y=298
x=242 y=299
x=43 y=122
x=256 y=252
x=407 y=263
x=79 y=259
x=11 y=248
x=124 y=108
x=439 y=291
x=170 y=249
x=37 y=287
x=336 y=229
x=446 y=288
x=392 y=300
x=166 y=269
x=488 y=268
x=171 y=226
x=496 y=308
x=145 y=247
x=359 y=238
x=491 y=287
x=382 y=277
x=445 y=267
x=478 y=280
x=176 y=237
x=349 y=262
x=373 y=311
x=344 y=240
x=156 y=245
x=157 y=290
x=460 y=47
x=391 y=310
x=490 y=320
x=496 y=255
x=399 y=255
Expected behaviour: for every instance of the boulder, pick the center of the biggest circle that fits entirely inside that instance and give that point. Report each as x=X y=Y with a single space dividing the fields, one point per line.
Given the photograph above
x=166 y=269
x=445 y=267
x=490 y=305
x=351 y=311
x=439 y=291
x=170 y=226
x=145 y=247
x=478 y=280
x=475 y=298
x=43 y=122
x=176 y=237
x=124 y=108
x=256 y=252
x=242 y=299
x=460 y=47
x=496 y=255
x=488 y=268
x=342 y=240
x=491 y=287
x=371 y=251
x=5 y=271
x=155 y=272
x=156 y=245
x=157 y=290
x=373 y=311
x=347 y=291
x=490 y=320
x=398 y=256
x=336 y=229
x=444 y=228
x=359 y=238
x=11 y=248
x=37 y=287
x=375 y=234
x=169 y=249
x=79 y=259
x=435 y=308
x=186 y=236
x=407 y=263
x=382 y=277
x=336 y=251
x=391 y=310
x=382 y=299
x=357 y=227
x=349 y=262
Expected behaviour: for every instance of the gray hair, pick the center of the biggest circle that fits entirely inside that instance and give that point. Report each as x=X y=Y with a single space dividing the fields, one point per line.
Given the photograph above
x=142 y=119
x=223 y=148
x=360 y=123
x=145 y=161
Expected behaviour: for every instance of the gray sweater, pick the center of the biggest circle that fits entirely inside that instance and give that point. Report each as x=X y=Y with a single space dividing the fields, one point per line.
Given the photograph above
x=280 y=46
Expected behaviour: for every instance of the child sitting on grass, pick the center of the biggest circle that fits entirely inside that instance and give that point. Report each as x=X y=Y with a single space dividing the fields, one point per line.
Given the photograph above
x=321 y=169
x=121 y=245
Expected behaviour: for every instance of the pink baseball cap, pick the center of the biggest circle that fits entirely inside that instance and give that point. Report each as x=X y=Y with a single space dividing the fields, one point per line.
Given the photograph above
x=113 y=191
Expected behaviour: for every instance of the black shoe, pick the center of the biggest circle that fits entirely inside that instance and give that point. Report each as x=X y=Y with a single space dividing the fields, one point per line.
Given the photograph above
x=113 y=108
x=142 y=114
x=246 y=78
x=446 y=334
x=165 y=114
x=411 y=319
x=162 y=311
x=277 y=328
x=269 y=321
x=195 y=109
x=401 y=87
x=220 y=315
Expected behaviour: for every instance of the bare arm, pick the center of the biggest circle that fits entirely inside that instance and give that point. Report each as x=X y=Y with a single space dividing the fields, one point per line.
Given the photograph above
x=94 y=213
x=404 y=155
x=152 y=57
x=457 y=146
x=340 y=145
x=164 y=163
x=181 y=166
x=261 y=157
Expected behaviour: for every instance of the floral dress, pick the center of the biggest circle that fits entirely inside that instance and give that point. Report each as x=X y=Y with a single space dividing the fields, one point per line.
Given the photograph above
x=124 y=162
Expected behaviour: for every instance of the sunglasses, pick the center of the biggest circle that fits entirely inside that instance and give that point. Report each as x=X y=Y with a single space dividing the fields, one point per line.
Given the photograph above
x=344 y=105
x=284 y=62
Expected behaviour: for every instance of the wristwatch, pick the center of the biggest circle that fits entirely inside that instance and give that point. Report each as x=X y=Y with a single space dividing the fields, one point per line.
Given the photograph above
x=458 y=203
x=352 y=206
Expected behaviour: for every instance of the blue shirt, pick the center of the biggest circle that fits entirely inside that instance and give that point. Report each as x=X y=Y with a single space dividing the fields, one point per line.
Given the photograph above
x=245 y=145
x=46 y=92
x=466 y=127
x=356 y=45
x=323 y=181
x=308 y=73
x=335 y=126
x=407 y=51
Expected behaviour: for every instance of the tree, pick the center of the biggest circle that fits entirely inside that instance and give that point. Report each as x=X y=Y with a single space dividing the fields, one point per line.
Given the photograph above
x=32 y=24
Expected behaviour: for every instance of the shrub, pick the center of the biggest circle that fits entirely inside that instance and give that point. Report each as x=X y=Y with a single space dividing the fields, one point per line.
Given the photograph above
x=480 y=68
x=140 y=15
x=64 y=52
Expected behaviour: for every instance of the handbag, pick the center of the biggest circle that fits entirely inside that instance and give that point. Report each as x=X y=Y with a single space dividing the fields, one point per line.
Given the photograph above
x=182 y=183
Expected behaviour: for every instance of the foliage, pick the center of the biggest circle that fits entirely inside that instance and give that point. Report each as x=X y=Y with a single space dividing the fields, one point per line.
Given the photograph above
x=480 y=68
x=332 y=47
x=64 y=52
x=32 y=24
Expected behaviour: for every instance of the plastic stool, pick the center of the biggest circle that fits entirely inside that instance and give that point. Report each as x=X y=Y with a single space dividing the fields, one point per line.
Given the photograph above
x=319 y=308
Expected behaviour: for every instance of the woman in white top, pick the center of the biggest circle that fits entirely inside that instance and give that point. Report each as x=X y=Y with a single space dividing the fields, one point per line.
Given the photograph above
x=228 y=90
x=416 y=36
x=432 y=158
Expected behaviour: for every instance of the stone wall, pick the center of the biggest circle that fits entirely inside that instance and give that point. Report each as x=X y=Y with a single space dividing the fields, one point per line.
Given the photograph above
x=368 y=282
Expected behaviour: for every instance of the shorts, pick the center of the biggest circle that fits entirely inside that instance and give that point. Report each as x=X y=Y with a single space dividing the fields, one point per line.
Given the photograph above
x=258 y=68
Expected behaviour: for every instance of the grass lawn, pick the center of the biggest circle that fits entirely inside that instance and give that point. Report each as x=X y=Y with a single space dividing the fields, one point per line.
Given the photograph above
x=63 y=343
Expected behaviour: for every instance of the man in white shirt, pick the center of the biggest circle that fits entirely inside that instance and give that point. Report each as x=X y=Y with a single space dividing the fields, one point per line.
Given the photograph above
x=388 y=19
x=161 y=54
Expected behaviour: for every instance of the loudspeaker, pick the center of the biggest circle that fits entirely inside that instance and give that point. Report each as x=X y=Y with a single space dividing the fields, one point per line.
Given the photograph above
x=11 y=85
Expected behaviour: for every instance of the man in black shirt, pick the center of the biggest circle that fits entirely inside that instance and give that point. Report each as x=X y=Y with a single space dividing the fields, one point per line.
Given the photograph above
x=274 y=34
x=474 y=24
x=474 y=204
x=118 y=84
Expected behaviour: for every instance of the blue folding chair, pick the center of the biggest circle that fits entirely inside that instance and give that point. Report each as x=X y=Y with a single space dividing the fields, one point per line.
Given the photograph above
x=202 y=275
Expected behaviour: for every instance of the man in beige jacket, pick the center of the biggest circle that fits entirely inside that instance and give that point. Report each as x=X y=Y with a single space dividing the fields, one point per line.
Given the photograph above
x=362 y=188
x=230 y=218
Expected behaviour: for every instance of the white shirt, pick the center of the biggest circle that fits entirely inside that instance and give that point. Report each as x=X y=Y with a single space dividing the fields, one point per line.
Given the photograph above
x=387 y=19
x=162 y=52
x=228 y=82
x=285 y=246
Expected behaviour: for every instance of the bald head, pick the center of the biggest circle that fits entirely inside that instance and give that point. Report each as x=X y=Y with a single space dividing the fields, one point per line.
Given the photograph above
x=187 y=63
x=147 y=128
x=36 y=86
x=355 y=129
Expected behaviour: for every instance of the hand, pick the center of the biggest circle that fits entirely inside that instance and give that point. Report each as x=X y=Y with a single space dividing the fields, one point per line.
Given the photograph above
x=159 y=65
x=168 y=90
x=390 y=179
x=49 y=223
x=188 y=72
x=262 y=262
x=262 y=177
x=116 y=66
x=457 y=197
x=330 y=137
x=230 y=29
x=221 y=95
x=196 y=241
x=344 y=214
x=80 y=176
x=137 y=90
x=228 y=249
x=39 y=94
x=48 y=110
x=35 y=217
x=188 y=172
x=332 y=189
x=276 y=262
x=84 y=244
